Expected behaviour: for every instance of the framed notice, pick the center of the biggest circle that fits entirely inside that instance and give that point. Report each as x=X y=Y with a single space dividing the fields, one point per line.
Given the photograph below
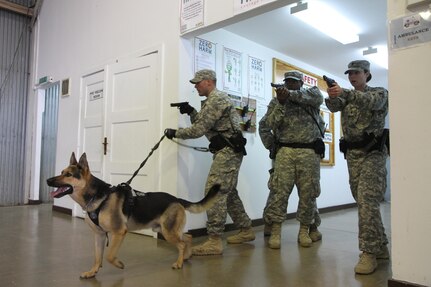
x=205 y=55
x=278 y=69
x=232 y=71
x=192 y=15
x=256 y=78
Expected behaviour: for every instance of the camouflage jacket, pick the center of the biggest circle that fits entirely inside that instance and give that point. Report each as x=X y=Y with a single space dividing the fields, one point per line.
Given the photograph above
x=361 y=112
x=267 y=135
x=295 y=121
x=217 y=115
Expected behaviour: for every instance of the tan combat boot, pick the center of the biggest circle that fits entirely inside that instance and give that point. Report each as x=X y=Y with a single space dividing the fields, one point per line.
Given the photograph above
x=244 y=235
x=275 y=238
x=314 y=233
x=367 y=263
x=303 y=236
x=213 y=246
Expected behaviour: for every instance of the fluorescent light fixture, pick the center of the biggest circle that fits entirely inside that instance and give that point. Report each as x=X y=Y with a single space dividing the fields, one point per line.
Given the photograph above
x=377 y=56
x=369 y=51
x=327 y=20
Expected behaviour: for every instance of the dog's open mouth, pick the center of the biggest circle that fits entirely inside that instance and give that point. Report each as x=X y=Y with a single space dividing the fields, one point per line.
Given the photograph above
x=62 y=191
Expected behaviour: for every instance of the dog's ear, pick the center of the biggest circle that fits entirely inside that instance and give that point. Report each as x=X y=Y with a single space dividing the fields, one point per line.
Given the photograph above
x=73 y=159
x=83 y=163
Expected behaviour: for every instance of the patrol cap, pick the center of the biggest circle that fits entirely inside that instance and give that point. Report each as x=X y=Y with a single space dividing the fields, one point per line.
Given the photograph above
x=203 y=75
x=359 y=65
x=296 y=75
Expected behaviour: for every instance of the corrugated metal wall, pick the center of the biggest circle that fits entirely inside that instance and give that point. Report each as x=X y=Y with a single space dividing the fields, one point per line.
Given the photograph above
x=49 y=141
x=14 y=65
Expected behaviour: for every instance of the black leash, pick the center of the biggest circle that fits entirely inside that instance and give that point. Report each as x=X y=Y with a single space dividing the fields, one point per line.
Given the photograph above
x=156 y=146
x=197 y=148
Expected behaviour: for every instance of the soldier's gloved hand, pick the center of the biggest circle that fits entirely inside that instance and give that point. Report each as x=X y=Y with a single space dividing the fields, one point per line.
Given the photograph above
x=282 y=95
x=186 y=109
x=170 y=133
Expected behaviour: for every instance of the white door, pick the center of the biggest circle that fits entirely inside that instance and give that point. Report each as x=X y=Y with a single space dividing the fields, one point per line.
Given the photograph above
x=92 y=132
x=132 y=122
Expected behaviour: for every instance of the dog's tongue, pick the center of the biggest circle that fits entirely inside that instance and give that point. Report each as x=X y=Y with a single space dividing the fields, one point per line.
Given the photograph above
x=59 y=191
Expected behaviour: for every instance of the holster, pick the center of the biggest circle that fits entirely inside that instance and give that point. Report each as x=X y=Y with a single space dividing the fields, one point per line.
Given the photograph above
x=237 y=142
x=369 y=143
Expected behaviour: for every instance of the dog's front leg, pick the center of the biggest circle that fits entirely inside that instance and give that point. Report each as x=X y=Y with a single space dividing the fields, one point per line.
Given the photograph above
x=99 y=246
x=117 y=239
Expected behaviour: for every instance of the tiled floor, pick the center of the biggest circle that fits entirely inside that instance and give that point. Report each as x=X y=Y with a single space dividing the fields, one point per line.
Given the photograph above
x=43 y=248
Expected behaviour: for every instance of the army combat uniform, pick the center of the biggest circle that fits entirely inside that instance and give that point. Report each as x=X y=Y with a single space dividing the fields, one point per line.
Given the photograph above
x=363 y=116
x=296 y=162
x=218 y=117
x=270 y=140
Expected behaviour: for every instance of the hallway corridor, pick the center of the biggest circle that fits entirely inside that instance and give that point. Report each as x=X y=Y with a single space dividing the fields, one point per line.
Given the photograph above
x=43 y=248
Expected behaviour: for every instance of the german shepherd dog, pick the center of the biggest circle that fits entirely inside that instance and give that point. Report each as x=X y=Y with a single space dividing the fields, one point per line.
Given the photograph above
x=118 y=209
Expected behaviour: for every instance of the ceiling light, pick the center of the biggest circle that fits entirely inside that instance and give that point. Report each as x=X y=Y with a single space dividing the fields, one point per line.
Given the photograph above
x=369 y=51
x=326 y=20
x=377 y=55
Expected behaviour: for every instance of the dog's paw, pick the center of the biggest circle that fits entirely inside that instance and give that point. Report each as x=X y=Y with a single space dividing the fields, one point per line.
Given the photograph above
x=87 y=275
x=177 y=265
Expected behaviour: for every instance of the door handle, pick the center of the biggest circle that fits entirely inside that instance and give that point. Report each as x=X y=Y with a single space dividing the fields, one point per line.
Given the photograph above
x=105 y=145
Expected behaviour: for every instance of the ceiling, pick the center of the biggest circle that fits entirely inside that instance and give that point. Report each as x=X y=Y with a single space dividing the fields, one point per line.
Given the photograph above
x=282 y=32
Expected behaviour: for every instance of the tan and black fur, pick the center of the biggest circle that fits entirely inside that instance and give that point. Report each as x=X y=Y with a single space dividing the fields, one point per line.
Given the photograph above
x=121 y=210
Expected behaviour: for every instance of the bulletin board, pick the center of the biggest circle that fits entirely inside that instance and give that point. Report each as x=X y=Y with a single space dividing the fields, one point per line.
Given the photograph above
x=280 y=67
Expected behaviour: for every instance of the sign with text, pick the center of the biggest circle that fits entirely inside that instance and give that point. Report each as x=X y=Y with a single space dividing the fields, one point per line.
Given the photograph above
x=205 y=55
x=410 y=30
x=192 y=15
x=241 y=6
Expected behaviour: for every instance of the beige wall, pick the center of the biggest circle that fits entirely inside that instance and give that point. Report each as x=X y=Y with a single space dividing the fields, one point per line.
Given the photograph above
x=409 y=104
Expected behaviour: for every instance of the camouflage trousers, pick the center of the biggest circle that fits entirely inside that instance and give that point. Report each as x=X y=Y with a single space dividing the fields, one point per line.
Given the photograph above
x=300 y=167
x=367 y=179
x=224 y=171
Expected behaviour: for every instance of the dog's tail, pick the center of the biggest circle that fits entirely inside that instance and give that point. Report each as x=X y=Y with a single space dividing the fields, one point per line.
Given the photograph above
x=205 y=203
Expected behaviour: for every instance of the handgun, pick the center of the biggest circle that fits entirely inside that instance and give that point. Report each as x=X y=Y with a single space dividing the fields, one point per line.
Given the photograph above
x=330 y=82
x=277 y=86
x=179 y=105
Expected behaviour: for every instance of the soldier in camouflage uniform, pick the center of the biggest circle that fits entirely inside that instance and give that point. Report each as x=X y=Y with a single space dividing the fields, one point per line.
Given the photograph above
x=270 y=139
x=363 y=112
x=293 y=117
x=218 y=121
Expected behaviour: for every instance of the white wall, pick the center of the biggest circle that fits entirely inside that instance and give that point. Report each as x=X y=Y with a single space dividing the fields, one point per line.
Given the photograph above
x=253 y=177
x=80 y=36
x=409 y=105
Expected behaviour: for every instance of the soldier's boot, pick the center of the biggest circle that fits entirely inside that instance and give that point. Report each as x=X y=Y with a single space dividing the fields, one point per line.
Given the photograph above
x=213 y=246
x=314 y=233
x=303 y=236
x=244 y=235
x=384 y=253
x=267 y=229
x=274 y=241
x=367 y=263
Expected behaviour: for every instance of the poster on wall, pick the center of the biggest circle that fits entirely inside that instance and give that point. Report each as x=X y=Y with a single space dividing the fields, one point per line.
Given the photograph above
x=241 y=6
x=191 y=15
x=256 y=78
x=205 y=55
x=232 y=71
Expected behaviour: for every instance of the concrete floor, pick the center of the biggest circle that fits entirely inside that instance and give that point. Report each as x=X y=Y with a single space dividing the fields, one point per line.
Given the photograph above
x=43 y=248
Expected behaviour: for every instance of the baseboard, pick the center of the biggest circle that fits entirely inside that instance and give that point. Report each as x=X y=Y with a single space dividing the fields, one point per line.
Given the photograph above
x=34 y=202
x=62 y=209
x=397 y=283
x=258 y=222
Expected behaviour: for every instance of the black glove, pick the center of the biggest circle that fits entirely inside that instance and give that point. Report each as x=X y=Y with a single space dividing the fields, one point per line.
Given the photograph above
x=186 y=109
x=170 y=133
